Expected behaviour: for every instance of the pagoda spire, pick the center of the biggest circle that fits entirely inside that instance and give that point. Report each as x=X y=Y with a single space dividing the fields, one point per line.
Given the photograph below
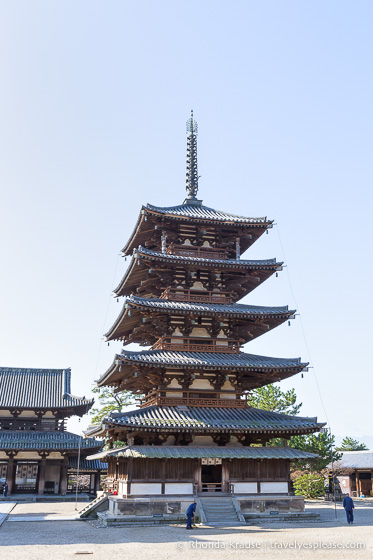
x=192 y=165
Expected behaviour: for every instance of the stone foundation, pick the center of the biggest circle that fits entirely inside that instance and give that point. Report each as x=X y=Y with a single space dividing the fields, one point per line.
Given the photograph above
x=268 y=504
x=173 y=508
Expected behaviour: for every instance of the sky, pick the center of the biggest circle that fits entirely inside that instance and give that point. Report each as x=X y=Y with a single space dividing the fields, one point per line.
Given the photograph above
x=94 y=98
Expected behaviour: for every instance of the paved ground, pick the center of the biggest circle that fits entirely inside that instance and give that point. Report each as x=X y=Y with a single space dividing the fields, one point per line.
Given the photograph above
x=329 y=539
x=4 y=510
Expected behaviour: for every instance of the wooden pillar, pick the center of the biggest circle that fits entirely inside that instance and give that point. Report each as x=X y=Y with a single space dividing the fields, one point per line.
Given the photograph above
x=130 y=467
x=41 y=480
x=198 y=475
x=64 y=475
x=163 y=475
x=225 y=475
x=258 y=470
x=358 y=485
x=10 y=473
x=371 y=481
x=97 y=481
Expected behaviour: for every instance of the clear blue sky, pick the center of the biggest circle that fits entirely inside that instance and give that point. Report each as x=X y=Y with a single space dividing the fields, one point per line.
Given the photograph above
x=93 y=102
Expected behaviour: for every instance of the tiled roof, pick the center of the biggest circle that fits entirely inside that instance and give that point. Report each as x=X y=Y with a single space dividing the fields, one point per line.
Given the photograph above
x=226 y=263
x=355 y=460
x=40 y=441
x=206 y=308
x=200 y=212
x=38 y=388
x=195 y=213
x=209 y=359
x=163 y=452
x=84 y=465
x=209 y=419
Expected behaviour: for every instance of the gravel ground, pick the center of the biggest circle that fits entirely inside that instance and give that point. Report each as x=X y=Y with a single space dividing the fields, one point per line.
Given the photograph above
x=60 y=541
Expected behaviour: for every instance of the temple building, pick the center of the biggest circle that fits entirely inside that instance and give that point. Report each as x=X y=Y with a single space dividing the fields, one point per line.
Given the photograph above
x=37 y=454
x=194 y=433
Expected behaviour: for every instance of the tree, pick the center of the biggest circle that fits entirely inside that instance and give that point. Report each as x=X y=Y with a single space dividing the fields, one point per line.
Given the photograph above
x=109 y=401
x=270 y=397
x=321 y=444
x=309 y=486
x=350 y=444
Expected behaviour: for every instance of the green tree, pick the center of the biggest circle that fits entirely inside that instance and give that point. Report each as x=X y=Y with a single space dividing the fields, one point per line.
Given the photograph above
x=309 y=486
x=350 y=444
x=270 y=397
x=321 y=444
x=109 y=401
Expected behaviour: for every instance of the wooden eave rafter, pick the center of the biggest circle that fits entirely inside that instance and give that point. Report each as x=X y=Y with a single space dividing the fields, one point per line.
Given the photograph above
x=121 y=374
x=248 y=232
x=129 y=322
x=246 y=276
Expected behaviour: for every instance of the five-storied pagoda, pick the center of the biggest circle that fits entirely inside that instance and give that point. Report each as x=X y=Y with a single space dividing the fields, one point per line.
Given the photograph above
x=194 y=433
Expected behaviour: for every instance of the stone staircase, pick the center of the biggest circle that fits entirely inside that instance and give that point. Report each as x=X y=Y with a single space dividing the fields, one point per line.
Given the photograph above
x=98 y=504
x=220 y=510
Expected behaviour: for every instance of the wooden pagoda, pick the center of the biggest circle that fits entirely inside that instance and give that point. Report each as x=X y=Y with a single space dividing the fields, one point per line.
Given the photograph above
x=194 y=431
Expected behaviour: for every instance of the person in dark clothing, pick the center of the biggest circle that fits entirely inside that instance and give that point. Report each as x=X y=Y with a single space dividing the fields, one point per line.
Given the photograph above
x=190 y=514
x=348 y=504
x=5 y=490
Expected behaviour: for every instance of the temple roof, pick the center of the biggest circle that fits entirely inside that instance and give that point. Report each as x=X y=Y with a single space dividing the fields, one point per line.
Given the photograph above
x=285 y=367
x=165 y=452
x=139 y=267
x=43 y=441
x=191 y=213
x=84 y=465
x=129 y=317
x=200 y=212
x=40 y=389
x=197 y=308
x=354 y=460
x=208 y=419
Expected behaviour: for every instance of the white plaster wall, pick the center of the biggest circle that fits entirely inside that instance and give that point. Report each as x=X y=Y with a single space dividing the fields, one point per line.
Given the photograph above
x=203 y=441
x=174 y=384
x=179 y=488
x=146 y=488
x=169 y=441
x=227 y=386
x=28 y=455
x=245 y=487
x=52 y=473
x=274 y=487
x=200 y=384
x=234 y=443
x=200 y=332
x=122 y=489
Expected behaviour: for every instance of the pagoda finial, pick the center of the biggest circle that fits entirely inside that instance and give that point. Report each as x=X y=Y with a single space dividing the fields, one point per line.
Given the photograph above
x=192 y=165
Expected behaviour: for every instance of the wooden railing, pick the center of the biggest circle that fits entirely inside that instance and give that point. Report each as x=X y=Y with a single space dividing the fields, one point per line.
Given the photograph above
x=197 y=344
x=178 y=294
x=189 y=398
x=201 y=252
x=226 y=487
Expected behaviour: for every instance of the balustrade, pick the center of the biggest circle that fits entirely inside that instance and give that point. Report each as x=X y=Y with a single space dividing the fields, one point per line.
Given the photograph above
x=178 y=294
x=200 y=252
x=194 y=344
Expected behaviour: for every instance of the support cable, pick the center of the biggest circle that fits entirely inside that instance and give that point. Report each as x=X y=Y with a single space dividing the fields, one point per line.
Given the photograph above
x=106 y=314
x=313 y=366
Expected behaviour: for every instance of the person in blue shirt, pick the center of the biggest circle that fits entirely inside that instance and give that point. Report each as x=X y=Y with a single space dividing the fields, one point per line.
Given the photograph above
x=348 y=504
x=190 y=514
